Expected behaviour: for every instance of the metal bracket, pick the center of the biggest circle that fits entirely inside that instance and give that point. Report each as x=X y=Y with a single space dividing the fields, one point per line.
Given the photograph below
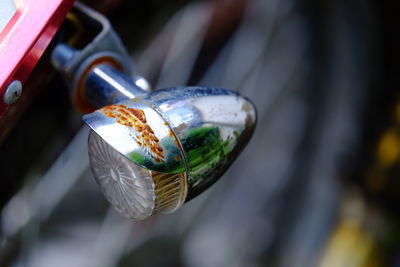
x=104 y=47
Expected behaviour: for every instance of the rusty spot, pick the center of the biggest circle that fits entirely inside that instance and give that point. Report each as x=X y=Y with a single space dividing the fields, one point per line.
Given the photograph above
x=149 y=129
x=135 y=119
x=138 y=114
x=177 y=158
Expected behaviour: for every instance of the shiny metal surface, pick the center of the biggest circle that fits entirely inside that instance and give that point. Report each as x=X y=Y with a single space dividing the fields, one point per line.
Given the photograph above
x=139 y=132
x=213 y=126
x=105 y=85
x=197 y=130
x=176 y=141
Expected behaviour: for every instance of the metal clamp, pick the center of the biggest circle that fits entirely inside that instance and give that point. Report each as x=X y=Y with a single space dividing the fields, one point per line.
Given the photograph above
x=105 y=47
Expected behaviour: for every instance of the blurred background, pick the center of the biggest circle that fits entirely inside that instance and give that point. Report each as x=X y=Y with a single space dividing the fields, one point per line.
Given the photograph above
x=318 y=185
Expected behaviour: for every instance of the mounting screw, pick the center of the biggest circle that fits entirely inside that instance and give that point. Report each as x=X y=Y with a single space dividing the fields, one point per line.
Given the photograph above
x=13 y=92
